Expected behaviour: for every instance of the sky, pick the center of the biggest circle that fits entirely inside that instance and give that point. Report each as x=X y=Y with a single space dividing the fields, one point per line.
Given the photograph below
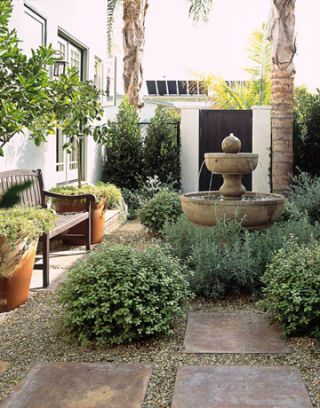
x=176 y=47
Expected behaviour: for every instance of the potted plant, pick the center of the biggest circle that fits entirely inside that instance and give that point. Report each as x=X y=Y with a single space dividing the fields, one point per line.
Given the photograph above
x=20 y=228
x=107 y=195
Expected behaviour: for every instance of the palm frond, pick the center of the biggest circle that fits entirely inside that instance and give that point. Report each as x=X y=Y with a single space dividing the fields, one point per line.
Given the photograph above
x=111 y=6
x=199 y=9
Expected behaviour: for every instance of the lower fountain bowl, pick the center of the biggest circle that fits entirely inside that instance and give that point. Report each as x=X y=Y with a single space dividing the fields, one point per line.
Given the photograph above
x=256 y=210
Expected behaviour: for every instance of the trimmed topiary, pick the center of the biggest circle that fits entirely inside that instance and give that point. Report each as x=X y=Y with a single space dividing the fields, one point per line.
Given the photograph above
x=163 y=208
x=119 y=294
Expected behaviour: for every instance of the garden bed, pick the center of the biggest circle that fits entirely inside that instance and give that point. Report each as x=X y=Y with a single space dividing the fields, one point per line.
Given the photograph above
x=32 y=334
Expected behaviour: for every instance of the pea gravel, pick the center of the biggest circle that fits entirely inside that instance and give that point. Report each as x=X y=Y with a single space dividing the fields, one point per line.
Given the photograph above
x=32 y=334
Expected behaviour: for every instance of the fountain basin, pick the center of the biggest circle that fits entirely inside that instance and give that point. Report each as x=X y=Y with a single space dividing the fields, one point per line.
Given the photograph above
x=230 y=163
x=257 y=210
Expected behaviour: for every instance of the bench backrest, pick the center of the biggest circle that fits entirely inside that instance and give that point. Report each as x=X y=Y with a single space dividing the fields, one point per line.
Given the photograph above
x=30 y=197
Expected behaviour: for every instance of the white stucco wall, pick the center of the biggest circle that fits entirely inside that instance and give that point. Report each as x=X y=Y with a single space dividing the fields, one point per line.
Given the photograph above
x=261 y=144
x=261 y=141
x=189 y=149
x=85 y=22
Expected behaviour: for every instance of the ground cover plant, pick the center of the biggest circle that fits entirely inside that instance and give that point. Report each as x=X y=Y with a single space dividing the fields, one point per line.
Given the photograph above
x=227 y=258
x=119 y=294
x=292 y=288
x=103 y=191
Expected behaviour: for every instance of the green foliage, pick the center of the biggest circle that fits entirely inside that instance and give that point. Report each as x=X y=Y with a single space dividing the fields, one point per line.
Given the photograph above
x=124 y=148
x=136 y=199
x=77 y=105
x=304 y=198
x=161 y=150
x=19 y=222
x=199 y=9
x=103 y=191
x=25 y=86
x=119 y=294
x=164 y=207
x=228 y=258
x=307 y=131
x=292 y=288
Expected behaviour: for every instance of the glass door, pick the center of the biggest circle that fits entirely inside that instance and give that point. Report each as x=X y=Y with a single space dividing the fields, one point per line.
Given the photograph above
x=67 y=163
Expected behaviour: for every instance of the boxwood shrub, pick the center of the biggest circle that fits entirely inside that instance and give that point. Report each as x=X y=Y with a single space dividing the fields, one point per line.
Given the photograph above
x=292 y=288
x=164 y=207
x=119 y=294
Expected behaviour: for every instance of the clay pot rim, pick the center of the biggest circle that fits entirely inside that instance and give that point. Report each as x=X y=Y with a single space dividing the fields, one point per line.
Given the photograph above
x=231 y=156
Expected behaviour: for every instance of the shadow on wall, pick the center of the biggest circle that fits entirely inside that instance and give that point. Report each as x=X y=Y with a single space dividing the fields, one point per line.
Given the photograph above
x=21 y=153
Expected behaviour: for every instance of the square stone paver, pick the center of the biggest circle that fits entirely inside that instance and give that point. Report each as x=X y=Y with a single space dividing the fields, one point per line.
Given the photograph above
x=81 y=385
x=3 y=366
x=239 y=387
x=233 y=333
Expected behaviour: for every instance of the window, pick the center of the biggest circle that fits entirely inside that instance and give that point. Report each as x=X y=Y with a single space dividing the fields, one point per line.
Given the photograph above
x=67 y=163
x=35 y=29
x=98 y=73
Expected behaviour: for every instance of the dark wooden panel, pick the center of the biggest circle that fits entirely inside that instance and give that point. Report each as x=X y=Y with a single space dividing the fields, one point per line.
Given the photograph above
x=214 y=126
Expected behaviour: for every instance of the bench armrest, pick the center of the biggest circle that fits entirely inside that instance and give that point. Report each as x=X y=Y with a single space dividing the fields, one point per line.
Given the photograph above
x=88 y=197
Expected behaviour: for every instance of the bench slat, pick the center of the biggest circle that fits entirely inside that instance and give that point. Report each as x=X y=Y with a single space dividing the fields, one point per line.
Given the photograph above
x=66 y=221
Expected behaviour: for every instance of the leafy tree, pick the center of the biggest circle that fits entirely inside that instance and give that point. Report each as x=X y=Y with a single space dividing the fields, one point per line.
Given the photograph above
x=161 y=150
x=25 y=86
x=77 y=105
x=124 y=148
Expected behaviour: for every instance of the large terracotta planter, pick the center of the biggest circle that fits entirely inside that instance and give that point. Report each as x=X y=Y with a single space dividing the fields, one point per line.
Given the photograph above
x=98 y=220
x=16 y=266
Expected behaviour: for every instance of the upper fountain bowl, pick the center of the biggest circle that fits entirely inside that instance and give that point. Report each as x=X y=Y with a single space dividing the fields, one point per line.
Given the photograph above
x=231 y=163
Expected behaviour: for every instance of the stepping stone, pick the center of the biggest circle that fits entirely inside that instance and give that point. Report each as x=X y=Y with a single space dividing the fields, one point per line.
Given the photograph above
x=81 y=385
x=233 y=333
x=239 y=387
x=3 y=366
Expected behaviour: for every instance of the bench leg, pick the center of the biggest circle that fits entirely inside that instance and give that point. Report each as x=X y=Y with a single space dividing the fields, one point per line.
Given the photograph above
x=88 y=244
x=46 y=255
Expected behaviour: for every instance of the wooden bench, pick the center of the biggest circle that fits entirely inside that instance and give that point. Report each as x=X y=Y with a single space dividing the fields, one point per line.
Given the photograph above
x=36 y=196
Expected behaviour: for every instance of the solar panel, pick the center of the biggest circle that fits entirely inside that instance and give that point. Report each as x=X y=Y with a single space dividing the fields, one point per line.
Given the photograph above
x=152 y=89
x=162 y=88
x=172 y=87
x=193 y=87
x=182 y=87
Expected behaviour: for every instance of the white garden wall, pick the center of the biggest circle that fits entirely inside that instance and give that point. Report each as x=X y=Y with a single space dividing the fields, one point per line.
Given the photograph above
x=261 y=142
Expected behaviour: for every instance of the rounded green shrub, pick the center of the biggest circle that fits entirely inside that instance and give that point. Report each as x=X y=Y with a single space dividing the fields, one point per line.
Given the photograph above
x=292 y=288
x=164 y=207
x=119 y=294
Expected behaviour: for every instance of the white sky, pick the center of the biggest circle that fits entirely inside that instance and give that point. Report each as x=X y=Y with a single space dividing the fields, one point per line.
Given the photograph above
x=175 y=47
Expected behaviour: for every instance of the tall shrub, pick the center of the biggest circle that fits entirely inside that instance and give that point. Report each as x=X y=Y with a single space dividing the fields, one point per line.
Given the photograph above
x=162 y=151
x=307 y=131
x=124 y=148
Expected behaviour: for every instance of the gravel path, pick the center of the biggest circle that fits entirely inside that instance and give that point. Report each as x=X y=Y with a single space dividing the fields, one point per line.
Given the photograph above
x=32 y=334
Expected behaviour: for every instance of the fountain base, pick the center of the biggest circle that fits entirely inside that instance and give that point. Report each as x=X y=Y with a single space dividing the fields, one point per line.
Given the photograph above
x=256 y=210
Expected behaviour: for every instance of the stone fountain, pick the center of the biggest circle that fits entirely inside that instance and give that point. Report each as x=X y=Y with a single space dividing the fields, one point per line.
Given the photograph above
x=256 y=210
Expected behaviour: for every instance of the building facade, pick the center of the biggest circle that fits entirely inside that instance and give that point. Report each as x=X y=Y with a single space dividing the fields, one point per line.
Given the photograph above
x=77 y=29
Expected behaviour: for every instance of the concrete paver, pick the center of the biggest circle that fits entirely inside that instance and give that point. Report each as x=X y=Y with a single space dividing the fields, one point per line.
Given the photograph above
x=81 y=385
x=233 y=333
x=239 y=387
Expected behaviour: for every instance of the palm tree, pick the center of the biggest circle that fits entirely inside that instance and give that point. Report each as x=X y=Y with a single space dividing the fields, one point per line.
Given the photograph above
x=134 y=13
x=282 y=35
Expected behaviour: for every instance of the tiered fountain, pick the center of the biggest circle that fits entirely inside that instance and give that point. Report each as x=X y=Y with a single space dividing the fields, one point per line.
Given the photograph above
x=256 y=210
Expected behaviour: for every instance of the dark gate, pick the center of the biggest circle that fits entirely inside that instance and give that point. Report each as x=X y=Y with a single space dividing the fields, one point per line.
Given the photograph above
x=214 y=126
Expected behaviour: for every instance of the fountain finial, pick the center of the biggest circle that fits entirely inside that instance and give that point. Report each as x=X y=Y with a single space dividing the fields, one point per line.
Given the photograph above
x=231 y=144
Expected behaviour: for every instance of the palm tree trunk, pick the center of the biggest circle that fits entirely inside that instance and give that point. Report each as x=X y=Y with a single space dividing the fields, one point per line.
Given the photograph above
x=282 y=36
x=134 y=12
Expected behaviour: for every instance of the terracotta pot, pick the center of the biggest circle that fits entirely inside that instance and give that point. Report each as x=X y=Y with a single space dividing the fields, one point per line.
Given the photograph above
x=16 y=266
x=98 y=220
